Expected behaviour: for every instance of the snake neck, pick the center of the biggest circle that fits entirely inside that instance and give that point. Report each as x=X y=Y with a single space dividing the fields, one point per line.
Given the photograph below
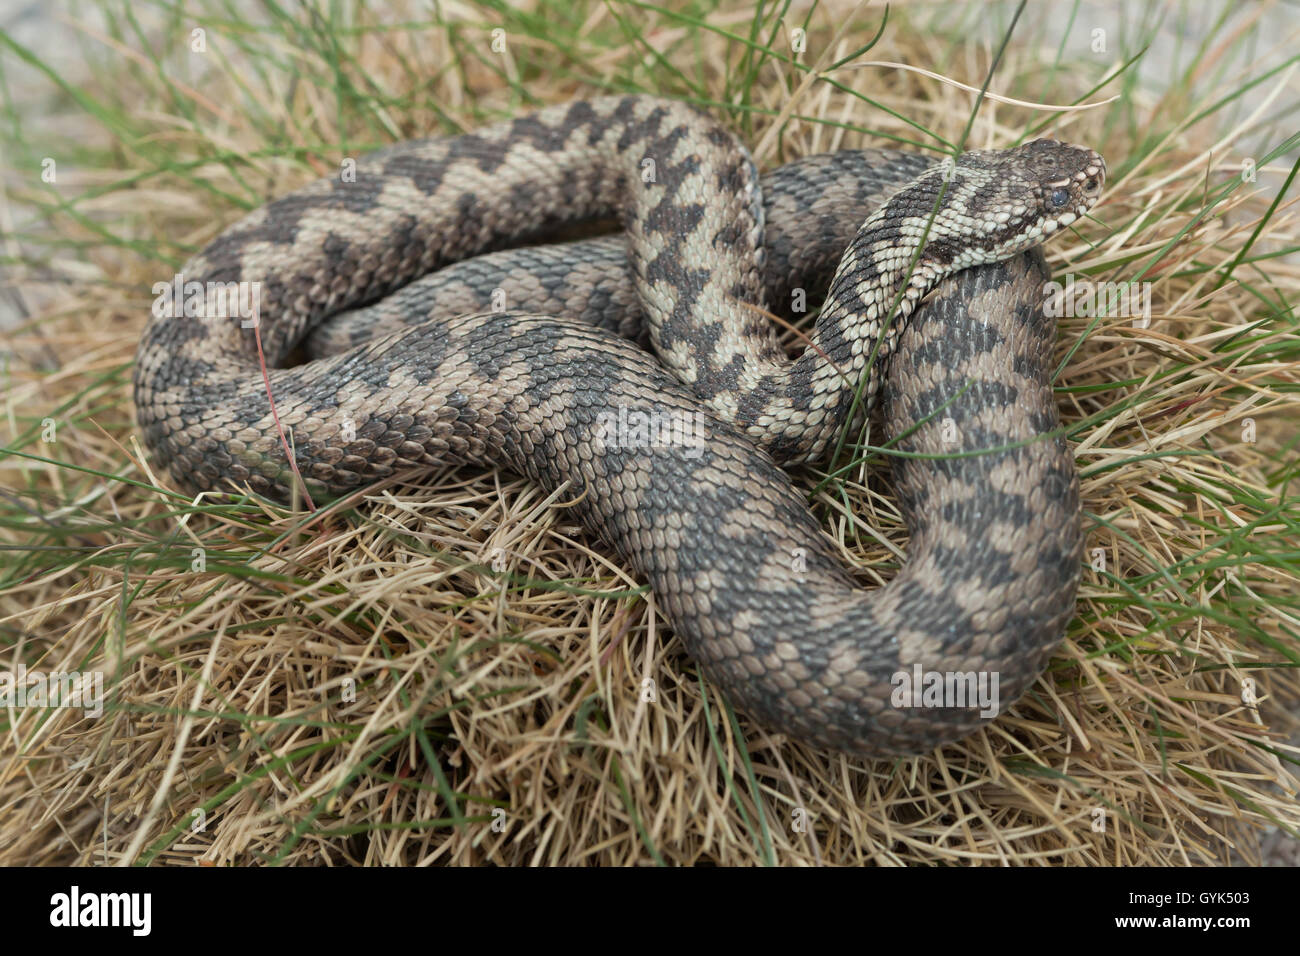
x=897 y=256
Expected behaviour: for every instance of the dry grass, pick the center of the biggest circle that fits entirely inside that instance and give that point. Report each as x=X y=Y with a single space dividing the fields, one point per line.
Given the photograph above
x=378 y=683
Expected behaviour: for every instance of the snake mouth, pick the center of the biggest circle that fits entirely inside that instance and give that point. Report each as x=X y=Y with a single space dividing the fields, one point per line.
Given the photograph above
x=1091 y=178
x=1064 y=219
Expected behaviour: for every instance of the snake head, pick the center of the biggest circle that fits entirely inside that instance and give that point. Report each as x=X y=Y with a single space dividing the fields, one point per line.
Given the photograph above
x=1010 y=200
x=1050 y=184
x=1066 y=179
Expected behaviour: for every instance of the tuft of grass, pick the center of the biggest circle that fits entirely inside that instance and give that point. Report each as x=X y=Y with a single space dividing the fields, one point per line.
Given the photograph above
x=443 y=669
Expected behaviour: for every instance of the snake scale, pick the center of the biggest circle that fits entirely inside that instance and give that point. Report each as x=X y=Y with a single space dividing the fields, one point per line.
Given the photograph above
x=437 y=343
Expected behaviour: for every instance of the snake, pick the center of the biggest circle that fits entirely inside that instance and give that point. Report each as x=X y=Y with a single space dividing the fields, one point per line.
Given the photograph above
x=412 y=317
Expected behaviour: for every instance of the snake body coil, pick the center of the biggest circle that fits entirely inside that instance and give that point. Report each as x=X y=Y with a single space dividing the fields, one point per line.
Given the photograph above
x=736 y=560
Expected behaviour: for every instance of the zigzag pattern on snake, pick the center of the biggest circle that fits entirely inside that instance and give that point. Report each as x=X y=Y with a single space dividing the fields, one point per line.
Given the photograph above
x=737 y=562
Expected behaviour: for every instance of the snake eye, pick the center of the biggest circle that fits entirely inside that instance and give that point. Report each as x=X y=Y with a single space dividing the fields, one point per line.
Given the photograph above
x=1059 y=198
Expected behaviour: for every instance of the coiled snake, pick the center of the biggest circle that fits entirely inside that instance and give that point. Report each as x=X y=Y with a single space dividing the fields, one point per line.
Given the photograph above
x=543 y=386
